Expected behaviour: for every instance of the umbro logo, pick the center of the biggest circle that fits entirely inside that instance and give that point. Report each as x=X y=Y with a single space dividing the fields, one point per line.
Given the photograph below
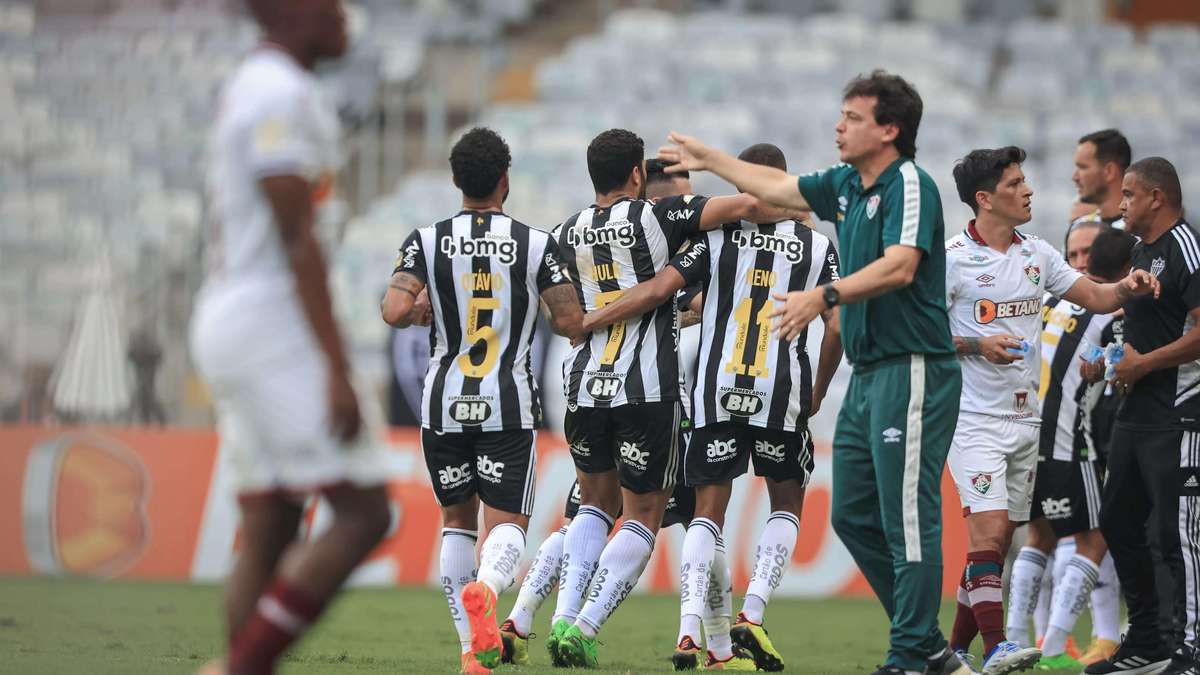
x=985 y=280
x=892 y=435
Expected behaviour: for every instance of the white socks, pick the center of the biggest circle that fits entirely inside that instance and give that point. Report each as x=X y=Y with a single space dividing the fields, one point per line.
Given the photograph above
x=617 y=572
x=500 y=556
x=1106 y=602
x=582 y=545
x=1024 y=585
x=695 y=566
x=771 y=560
x=718 y=606
x=1071 y=593
x=457 y=566
x=1041 y=612
x=539 y=582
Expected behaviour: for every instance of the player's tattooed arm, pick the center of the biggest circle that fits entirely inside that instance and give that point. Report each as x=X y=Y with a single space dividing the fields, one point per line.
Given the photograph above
x=401 y=306
x=966 y=346
x=998 y=349
x=688 y=318
x=566 y=316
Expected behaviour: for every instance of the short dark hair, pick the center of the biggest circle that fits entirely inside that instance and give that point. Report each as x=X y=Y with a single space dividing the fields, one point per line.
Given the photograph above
x=1111 y=146
x=765 y=154
x=982 y=169
x=656 y=172
x=478 y=160
x=612 y=156
x=896 y=102
x=1156 y=173
x=1110 y=253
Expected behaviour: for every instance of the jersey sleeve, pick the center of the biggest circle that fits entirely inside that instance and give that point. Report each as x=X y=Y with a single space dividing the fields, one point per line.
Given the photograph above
x=1060 y=276
x=951 y=281
x=1189 y=285
x=911 y=210
x=280 y=141
x=683 y=299
x=679 y=217
x=693 y=263
x=551 y=271
x=820 y=189
x=829 y=267
x=412 y=257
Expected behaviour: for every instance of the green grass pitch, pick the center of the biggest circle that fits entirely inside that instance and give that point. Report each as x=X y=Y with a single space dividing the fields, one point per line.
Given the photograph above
x=70 y=626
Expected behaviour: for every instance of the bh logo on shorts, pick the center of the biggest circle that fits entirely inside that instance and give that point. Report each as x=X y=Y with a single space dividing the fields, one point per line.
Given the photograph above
x=770 y=451
x=719 y=451
x=982 y=482
x=634 y=456
x=741 y=402
x=1056 y=509
x=604 y=387
x=453 y=476
x=470 y=412
x=488 y=470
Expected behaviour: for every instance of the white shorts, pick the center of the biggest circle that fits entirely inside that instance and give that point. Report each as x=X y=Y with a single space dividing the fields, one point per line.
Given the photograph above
x=994 y=461
x=270 y=393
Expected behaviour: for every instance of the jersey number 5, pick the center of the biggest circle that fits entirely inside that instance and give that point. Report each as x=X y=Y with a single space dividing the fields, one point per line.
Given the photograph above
x=475 y=333
x=743 y=315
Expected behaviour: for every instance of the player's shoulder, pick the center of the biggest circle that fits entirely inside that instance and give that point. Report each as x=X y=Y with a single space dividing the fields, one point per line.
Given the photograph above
x=957 y=245
x=1184 y=239
x=671 y=209
x=266 y=83
x=535 y=236
x=912 y=179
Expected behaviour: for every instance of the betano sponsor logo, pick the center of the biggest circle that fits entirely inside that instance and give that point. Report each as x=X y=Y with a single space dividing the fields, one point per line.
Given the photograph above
x=987 y=311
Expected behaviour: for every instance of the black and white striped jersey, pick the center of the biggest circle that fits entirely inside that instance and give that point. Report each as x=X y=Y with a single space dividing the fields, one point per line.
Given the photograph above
x=607 y=251
x=745 y=373
x=484 y=272
x=1067 y=400
x=1167 y=398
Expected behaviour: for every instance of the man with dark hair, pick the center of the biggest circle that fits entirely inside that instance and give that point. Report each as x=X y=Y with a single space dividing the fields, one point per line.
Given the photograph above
x=487 y=275
x=1101 y=159
x=1153 y=461
x=622 y=384
x=996 y=279
x=264 y=337
x=894 y=428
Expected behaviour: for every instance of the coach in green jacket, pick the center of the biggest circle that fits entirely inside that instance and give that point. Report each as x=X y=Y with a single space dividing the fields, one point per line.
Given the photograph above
x=895 y=425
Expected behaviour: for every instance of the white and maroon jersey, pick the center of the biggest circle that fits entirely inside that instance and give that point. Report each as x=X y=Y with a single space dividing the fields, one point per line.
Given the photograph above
x=994 y=293
x=272 y=120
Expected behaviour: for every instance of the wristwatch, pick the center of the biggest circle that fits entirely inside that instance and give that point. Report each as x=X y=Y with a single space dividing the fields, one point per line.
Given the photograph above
x=831 y=296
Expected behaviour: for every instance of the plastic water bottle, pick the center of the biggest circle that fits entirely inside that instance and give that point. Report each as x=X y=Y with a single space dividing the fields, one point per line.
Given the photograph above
x=1091 y=353
x=1113 y=354
x=1023 y=350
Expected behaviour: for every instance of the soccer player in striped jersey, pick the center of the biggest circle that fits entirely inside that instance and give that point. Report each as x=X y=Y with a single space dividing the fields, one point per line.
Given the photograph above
x=996 y=278
x=484 y=273
x=1066 y=495
x=752 y=398
x=622 y=384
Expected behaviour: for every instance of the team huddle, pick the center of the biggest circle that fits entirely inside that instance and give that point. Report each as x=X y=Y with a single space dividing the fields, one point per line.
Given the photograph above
x=1058 y=387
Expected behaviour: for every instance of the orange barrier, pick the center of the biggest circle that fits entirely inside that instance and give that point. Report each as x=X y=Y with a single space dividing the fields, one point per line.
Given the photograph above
x=133 y=503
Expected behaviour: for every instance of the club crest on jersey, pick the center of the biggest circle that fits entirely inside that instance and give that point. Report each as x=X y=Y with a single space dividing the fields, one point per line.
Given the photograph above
x=987 y=311
x=1033 y=273
x=619 y=233
x=741 y=402
x=1157 y=266
x=470 y=410
x=501 y=247
x=1020 y=399
x=981 y=482
x=603 y=386
x=872 y=206
x=790 y=247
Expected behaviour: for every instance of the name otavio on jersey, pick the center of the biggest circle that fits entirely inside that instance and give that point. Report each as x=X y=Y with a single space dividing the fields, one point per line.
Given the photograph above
x=501 y=247
x=790 y=247
x=619 y=233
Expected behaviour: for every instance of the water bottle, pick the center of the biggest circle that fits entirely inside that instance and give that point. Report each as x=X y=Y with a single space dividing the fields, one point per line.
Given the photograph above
x=1113 y=354
x=1022 y=350
x=1091 y=353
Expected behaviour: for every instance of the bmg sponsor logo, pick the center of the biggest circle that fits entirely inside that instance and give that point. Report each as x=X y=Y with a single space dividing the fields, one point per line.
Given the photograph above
x=501 y=247
x=619 y=233
x=788 y=246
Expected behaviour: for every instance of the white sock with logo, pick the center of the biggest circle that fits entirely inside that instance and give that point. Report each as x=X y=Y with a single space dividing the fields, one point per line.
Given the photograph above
x=718 y=605
x=456 y=562
x=539 y=581
x=619 y=568
x=1070 y=598
x=695 y=565
x=1024 y=586
x=1106 y=602
x=500 y=557
x=585 y=539
x=771 y=560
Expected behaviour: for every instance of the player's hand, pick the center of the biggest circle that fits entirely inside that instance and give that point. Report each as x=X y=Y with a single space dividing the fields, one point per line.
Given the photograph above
x=685 y=153
x=1091 y=372
x=583 y=336
x=995 y=348
x=798 y=310
x=817 y=399
x=343 y=407
x=1132 y=367
x=421 y=313
x=1141 y=282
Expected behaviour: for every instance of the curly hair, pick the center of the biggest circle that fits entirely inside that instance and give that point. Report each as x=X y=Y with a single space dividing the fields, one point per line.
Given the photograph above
x=478 y=160
x=982 y=169
x=612 y=156
x=896 y=102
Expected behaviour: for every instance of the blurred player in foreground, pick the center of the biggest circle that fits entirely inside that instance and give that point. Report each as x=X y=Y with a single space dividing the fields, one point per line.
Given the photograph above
x=264 y=337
